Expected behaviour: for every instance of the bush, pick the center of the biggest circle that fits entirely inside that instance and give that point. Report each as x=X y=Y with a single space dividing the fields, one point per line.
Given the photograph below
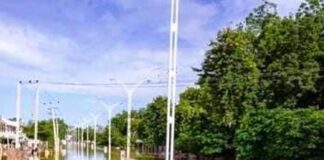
x=281 y=134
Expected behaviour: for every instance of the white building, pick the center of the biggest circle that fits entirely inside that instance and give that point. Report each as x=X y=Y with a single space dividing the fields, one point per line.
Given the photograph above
x=8 y=130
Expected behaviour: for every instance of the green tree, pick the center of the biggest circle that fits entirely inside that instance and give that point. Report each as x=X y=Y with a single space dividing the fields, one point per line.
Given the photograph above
x=197 y=131
x=272 y=134
x=267 y=62
x=286 y=50
x=45 y=130
x=153 y=124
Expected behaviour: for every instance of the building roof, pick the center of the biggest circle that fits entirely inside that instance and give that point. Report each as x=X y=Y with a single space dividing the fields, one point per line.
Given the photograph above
x=8 y=122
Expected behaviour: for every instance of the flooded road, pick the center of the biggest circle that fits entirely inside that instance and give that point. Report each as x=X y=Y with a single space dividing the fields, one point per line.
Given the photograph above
x=74 y=152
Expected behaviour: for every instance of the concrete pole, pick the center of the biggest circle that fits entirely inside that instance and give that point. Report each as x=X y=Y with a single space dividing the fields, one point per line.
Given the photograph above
x=82 y=142
x=109 y=135
x=18 y=107
x=129 y=121
x=56 y=149
x=87 y=140
x=169 y=153
x=36 y=116
x=82 y=139
x=77 y=135
x=109 y=109
x=57 y=132
x=95 y=119
x=95 y=138
x=129 y=91
x=77 y=139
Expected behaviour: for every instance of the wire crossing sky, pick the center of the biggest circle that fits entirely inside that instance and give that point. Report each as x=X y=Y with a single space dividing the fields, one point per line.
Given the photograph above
x=90 y=41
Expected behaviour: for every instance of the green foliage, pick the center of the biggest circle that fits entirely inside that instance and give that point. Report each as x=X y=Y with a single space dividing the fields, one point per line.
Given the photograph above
x=153 y=122
x=45 y=130
x=268 y=62
x=230 y=72
x=119 y=129
x=281 y=134
x=197 y=132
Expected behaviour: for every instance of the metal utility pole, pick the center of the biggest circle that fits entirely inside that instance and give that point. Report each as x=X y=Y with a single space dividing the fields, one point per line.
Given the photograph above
x=18 y=108
x=109 y=109
x=169 y=153
x=129 y=90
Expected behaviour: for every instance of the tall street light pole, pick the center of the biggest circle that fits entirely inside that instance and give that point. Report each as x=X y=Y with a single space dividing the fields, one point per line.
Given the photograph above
x=87 y=136
x=109 y=109
x=82 y=140
x=36 y=110
x=169 y=153
x=129 y=90
x=18 y=108
x=55 y=126
x=56 y=149
x=57 y=130
x=95 y=119
x=77 y=138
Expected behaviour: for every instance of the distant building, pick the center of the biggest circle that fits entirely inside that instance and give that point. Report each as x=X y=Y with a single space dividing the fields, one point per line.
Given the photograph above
x=8 y=130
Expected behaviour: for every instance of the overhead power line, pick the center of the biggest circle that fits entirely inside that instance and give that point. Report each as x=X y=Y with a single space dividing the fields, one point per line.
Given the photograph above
x=150 y=84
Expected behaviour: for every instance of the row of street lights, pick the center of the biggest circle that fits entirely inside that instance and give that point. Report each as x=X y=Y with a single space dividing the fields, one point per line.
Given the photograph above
x=130 y=90
x=80 y=134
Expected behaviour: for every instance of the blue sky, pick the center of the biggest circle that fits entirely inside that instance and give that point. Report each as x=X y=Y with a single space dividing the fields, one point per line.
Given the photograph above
x=88 y=41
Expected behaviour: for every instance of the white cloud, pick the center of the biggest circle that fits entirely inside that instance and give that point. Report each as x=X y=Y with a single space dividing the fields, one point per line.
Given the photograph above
x=22 y=46
x=56 y=57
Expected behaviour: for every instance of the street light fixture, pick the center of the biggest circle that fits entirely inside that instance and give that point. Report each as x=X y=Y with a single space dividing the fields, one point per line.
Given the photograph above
x=129 y=90
x=109 y=110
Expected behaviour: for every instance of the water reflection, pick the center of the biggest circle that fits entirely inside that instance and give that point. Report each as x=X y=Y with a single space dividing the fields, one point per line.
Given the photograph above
x=74 y=152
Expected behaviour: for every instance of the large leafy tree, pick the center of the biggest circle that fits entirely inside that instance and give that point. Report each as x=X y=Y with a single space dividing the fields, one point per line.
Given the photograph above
x=286 y=50
x=197 y=131
x=154 y=122
x=267 y=62
x=230 y=73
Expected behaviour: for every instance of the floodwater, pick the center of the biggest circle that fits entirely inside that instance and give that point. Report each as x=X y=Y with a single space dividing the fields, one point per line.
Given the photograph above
x=76 y=153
